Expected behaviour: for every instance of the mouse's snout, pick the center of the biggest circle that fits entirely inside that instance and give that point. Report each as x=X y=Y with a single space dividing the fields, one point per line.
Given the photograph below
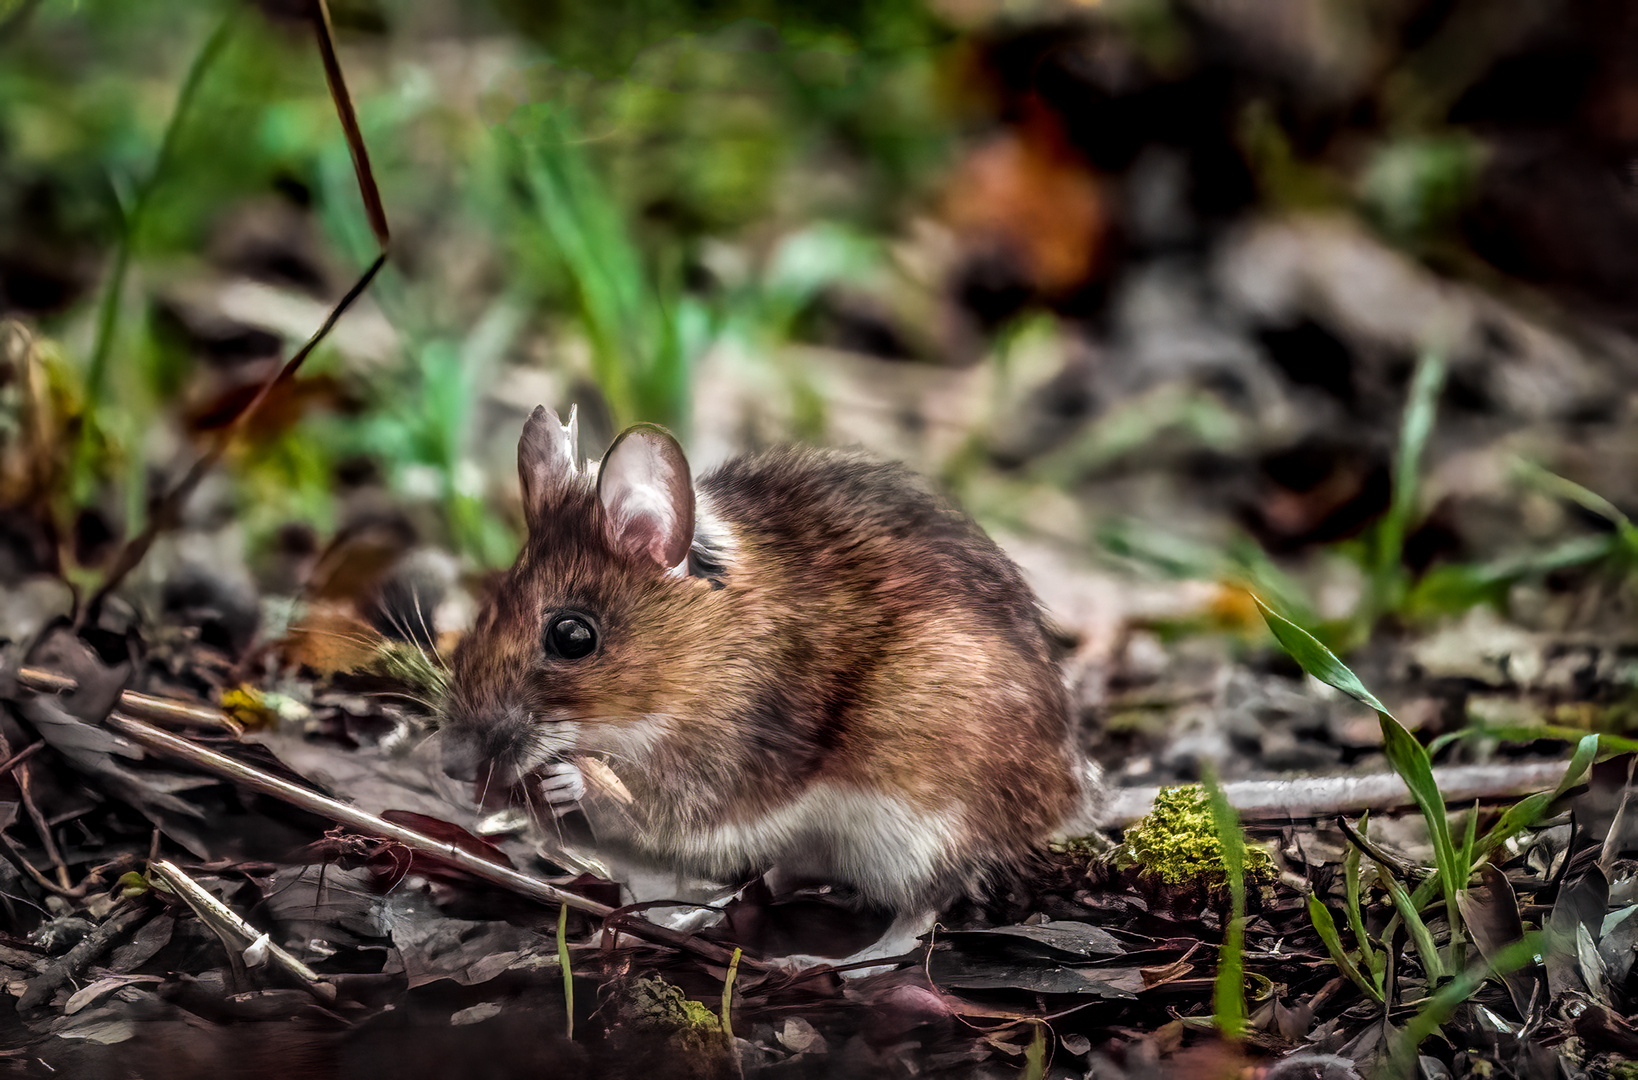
x=459 y=755
x=483 y=755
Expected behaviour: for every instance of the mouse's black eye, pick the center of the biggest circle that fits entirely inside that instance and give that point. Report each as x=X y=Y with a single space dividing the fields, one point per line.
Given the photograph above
x=570 y=636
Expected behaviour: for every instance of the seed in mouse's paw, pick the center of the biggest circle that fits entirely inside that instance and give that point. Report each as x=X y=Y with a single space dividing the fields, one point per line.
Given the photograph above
x=562 y=785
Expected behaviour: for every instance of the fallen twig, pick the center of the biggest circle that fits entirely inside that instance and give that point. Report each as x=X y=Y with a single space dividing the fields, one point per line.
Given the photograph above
x=169 y=508
x=351 y=816
x=236 y=934
x=348 y=116
x=1307 y=797
x=76 y=960
x=21 y=756
x=25 y=792
x=1324 y=796
x=167 y=712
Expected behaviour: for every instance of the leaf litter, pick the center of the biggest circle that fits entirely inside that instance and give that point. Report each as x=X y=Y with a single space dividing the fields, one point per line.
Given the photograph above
x=309 y=898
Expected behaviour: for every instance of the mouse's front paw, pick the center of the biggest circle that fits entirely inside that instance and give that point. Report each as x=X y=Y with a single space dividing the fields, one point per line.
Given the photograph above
x=562 y=786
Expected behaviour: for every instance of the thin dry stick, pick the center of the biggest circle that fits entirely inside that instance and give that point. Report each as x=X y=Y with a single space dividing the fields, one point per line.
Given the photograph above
x=21 y=756
x=351 y=816
x=1323 y=796
x=34 y=872
x=348 y=116
x=1309 y=797
x=81 y=956
x=169 y=507
x=166 y=712
x=25 y=792
x=236 y=934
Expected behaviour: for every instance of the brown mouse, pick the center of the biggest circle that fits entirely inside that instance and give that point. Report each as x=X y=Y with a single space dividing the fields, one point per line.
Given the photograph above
x=805 y=662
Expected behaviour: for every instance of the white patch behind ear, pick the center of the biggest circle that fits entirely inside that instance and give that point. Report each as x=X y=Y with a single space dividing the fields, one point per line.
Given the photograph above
x=648 y=495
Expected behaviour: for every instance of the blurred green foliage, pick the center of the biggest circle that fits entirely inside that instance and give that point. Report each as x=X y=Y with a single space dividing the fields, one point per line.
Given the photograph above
x=1414 y=187
x=573 y=197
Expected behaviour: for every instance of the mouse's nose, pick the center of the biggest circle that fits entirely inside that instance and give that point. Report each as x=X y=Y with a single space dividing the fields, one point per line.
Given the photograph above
x=460 y=756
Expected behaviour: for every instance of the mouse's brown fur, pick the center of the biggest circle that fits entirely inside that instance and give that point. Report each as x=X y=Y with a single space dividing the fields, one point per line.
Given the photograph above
x=852 y=682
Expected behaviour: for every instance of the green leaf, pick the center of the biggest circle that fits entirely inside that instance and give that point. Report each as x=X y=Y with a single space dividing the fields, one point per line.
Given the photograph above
x=1326 y=927
x=568 y=972
x=1440 y=1006
x=1315 y=658
x=1356 y=915
x=1529 y=810
x=1408 y=757
x=1229 y=994
x=1418 y=930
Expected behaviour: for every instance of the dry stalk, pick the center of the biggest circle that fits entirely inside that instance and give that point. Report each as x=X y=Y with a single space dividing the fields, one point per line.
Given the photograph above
x=169 y=508
x=1325 y=796
x=362 y=821
x=237 y=935
x=166 y=712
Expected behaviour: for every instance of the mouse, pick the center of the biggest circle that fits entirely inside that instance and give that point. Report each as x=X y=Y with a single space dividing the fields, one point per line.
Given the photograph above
x=806 y=662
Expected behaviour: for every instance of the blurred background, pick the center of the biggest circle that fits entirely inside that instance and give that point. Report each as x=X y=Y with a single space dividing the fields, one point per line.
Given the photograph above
x=1181 y=298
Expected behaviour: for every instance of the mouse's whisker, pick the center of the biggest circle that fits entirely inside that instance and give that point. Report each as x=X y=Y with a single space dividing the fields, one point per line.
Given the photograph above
x=529 y=808
x=353 y=637
x=421 y=614
x=403 y=695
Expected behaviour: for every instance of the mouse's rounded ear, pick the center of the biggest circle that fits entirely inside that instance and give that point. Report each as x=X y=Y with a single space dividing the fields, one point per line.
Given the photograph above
x=648 y=495
x=548 y=460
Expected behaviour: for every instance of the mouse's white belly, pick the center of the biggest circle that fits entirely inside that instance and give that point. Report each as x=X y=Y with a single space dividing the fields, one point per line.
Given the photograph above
x=886 y=847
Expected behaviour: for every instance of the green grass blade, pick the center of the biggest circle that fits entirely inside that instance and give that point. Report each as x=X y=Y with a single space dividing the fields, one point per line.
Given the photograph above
x=1418 y=930
x=643 y=331
x=1529 y=810
x=1471 y=837
x=1035 y=1055
x=1452 y=589
x=1387 y=572
x=1528 y=733
x=1315 y=658
x=1326 y=927
x=96 y=374
x=1408 y=757
x=1551 y=483
x=1355 y=913
x=1229 y=994
x=1410 y=760
x=1443 y=1004
x=728 y=996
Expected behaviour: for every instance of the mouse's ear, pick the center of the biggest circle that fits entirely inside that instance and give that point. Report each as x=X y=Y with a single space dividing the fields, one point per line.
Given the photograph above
x=648 y=496
x=548 y=460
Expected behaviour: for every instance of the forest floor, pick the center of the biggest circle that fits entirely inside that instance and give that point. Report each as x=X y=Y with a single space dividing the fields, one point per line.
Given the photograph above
x=1263 y=352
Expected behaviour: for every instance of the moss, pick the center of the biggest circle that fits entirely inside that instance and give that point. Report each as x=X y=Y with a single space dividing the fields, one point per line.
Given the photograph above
x=1621 y=1069
x=1089 y=846
x=1177 y=843
x=661 y=1006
